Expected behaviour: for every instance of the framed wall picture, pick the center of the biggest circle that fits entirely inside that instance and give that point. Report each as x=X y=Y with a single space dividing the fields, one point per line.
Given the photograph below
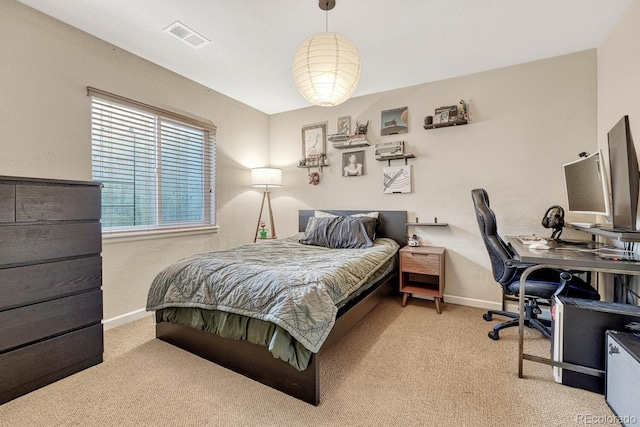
x=344 y=125
x=314 y=140
x=395 y=121
x=397 y=179
x=353 y=163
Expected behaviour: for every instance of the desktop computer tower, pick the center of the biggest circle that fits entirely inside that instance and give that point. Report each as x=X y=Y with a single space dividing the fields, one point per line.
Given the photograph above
x=578 y=337
x=623 y=376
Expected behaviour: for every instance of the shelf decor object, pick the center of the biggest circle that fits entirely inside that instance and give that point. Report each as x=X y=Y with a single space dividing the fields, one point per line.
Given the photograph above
x=344 y=125
x=396 y=179
x=451 y=115
x=395 y=121
x=445 y=124
x=314 y=140
x=318 y=161
x=266 y=177
x=343 y=139
x=353 y=163
x=326 y=66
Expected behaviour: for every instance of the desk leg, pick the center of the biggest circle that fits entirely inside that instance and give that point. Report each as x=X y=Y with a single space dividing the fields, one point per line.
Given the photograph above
x=523 y=280
x=564 y=262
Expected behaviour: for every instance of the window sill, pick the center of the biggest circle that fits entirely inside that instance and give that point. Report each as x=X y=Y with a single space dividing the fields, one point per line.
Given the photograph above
x=133 y=236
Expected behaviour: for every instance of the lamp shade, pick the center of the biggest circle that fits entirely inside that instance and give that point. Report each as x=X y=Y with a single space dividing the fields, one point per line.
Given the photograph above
x=266 y=177
x=326 y=69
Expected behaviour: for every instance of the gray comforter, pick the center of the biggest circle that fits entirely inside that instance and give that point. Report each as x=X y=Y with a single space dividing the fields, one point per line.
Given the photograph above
x=295 y=286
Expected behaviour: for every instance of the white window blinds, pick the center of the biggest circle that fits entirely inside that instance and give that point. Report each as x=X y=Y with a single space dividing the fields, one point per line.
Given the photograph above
x=157 y=168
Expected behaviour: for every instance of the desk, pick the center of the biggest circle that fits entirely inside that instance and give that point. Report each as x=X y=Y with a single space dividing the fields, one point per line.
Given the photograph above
x=568 y=257
x=609 y=233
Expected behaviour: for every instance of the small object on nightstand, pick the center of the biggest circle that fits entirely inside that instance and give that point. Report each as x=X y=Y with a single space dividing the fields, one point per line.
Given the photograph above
x=422 y=272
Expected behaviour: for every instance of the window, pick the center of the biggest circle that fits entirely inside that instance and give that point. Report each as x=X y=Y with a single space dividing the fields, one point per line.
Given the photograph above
x=157 y=168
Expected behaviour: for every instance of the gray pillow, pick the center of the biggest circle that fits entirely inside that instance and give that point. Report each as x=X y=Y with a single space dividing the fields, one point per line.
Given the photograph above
x=345 y=232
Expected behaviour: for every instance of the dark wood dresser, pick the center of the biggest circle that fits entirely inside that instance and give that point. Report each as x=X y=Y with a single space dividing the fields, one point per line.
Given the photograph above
x=50 y=282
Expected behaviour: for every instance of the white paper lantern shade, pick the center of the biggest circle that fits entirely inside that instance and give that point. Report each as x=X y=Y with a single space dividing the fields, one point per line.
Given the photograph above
x=326 y=69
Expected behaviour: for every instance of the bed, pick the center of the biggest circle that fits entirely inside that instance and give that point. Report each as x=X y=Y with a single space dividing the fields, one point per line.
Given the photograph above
x=298 y=375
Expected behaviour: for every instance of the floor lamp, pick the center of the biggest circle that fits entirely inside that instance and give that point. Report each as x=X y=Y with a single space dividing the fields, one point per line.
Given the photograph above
x=266 y=177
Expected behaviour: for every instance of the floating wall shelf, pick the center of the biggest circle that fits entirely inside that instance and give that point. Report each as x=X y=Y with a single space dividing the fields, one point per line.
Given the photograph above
x=447 y=124
x=354 y=144
x=309 y=167
x=397 y=157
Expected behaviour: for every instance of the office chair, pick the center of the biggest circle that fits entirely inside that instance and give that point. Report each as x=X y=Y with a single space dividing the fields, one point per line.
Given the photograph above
x=540 y=284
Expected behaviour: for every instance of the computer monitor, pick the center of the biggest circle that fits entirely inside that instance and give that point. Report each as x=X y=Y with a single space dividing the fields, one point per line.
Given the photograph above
x=587 y=186
x=625 y=177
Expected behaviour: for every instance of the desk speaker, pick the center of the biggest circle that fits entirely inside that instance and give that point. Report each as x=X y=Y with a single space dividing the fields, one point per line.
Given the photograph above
x=622 y=391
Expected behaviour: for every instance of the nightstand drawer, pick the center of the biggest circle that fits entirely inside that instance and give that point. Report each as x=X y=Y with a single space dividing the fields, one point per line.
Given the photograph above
x=418 y=262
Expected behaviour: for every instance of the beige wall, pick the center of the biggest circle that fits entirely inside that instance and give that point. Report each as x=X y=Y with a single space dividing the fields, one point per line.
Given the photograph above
x=527 y=120
x=619 y=77
x=619 y=82
x=45 y=133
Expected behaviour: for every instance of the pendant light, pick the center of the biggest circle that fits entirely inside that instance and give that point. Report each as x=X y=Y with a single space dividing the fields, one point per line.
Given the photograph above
x=326 y=66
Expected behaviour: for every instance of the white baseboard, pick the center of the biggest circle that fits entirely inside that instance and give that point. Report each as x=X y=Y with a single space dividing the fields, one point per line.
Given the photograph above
x=125 y=318
x=469 y=302
x=511 y=306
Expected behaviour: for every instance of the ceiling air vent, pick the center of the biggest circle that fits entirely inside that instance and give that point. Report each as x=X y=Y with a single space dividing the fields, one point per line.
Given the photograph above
x=187 y=35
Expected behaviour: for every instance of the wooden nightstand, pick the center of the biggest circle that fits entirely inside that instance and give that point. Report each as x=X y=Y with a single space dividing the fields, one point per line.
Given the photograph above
x=422 y=272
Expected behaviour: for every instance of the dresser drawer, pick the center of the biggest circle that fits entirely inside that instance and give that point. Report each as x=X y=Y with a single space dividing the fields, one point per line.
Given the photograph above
x=56 y=203
x=422 y=263
x=34 y=322
x=28 y=368
x=7 y=203
x=30 y=284
x=48 y=241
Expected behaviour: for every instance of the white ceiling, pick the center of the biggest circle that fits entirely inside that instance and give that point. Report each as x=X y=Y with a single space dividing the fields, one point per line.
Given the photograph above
x=401 y=42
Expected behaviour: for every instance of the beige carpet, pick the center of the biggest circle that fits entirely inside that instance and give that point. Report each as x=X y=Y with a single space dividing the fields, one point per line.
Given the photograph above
x=398 y=367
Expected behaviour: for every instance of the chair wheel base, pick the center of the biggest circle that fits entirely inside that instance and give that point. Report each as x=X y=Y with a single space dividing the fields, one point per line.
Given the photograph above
x=494 y=335
x=487 y=316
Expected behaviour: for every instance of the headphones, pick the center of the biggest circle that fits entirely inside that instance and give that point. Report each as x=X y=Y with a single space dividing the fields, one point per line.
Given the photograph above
x=554 y=218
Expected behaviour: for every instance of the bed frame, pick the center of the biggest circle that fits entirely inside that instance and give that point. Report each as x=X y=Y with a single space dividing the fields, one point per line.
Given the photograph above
x=256 y=362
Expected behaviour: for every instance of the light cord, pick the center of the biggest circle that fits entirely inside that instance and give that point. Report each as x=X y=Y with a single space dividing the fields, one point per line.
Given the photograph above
x=326 y=22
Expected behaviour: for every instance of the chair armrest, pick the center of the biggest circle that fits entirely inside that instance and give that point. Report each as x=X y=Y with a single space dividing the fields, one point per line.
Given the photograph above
x=565 y=278
x=512 y=263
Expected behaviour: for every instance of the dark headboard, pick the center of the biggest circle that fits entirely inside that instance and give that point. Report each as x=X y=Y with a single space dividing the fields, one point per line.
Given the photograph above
x=393 y=224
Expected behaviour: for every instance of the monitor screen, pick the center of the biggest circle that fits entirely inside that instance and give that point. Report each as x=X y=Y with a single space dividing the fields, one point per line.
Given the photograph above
x=586 y=185
x=624 y=176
